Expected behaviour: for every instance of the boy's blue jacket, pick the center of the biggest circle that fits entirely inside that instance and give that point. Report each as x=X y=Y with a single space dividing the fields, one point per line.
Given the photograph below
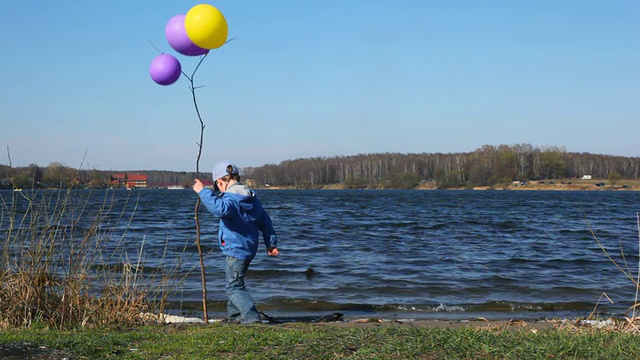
x=241 y=217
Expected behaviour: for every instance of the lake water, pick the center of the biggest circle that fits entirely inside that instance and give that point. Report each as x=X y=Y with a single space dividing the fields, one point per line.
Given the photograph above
x=394 y=253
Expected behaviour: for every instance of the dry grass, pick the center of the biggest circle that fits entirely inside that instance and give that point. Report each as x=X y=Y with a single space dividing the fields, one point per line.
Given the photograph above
x=63 y=264
x=630 y=323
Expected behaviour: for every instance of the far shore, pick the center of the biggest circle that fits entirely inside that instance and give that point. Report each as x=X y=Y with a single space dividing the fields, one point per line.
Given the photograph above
x=547 y=185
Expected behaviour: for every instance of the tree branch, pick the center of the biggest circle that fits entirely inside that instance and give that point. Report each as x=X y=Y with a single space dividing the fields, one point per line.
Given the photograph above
x=192 y=88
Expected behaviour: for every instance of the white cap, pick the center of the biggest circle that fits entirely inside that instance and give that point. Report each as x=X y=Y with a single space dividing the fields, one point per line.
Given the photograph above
x=222 y=170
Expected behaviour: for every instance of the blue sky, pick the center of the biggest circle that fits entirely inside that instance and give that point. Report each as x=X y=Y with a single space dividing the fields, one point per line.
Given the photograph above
x=317 y=78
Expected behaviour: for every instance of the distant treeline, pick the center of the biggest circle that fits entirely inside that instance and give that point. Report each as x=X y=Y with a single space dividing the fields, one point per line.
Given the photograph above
x=60 y=176
x=488 y=165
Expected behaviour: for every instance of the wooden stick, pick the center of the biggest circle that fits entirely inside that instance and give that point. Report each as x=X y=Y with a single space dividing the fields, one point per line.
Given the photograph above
x=192 y=88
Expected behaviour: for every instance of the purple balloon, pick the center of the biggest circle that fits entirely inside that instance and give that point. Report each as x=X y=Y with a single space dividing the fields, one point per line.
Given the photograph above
x=178 y=38
x=165 y=69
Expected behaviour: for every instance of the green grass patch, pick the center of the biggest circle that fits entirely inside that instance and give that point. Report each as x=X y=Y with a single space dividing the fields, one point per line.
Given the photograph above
x=312 y=341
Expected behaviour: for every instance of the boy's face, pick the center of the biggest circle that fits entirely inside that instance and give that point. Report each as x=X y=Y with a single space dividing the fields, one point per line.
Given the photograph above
x=220 y=185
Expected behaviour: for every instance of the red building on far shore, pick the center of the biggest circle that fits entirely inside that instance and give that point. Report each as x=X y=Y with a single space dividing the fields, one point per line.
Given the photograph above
x=129 y=181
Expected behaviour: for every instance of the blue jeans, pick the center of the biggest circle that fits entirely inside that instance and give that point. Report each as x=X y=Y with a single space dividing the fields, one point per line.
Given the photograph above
x=240 y=305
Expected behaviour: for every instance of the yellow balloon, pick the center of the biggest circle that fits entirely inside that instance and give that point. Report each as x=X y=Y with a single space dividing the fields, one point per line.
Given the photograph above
x=206 y=26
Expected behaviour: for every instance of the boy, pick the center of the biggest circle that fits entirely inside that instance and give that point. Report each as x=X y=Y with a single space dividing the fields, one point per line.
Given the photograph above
x=241 y=218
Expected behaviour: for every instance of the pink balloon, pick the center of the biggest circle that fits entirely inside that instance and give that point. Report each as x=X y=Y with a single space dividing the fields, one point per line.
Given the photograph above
x=165 y=69
x=178 y=39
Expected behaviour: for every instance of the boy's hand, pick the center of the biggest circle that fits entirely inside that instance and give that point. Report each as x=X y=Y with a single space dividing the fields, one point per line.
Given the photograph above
x=197 y=186
x=273 y=251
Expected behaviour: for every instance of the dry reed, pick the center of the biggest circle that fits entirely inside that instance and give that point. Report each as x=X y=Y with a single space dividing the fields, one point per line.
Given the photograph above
x=630 y=322
x=64 y=264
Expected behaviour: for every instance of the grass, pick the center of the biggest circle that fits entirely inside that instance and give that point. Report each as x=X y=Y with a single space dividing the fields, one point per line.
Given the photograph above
x=319 y=341
x=63 y=263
